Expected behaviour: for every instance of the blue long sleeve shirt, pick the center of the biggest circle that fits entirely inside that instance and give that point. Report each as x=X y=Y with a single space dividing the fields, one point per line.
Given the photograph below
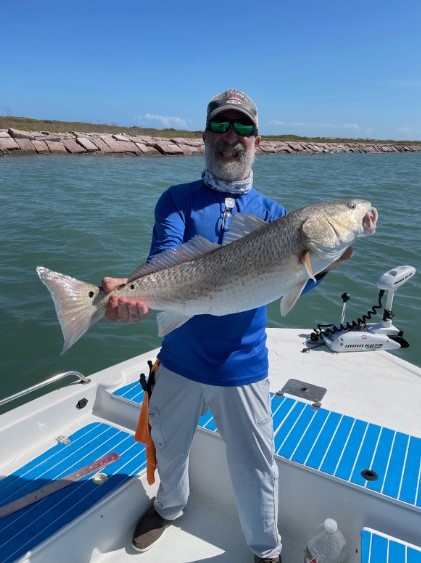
x=228 y=350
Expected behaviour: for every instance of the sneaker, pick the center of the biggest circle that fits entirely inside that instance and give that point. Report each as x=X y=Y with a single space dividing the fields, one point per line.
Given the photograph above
x=267 y=560
x=149 y=530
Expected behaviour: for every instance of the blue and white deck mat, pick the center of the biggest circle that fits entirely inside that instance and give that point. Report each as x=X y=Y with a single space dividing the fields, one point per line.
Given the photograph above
x=361 y=453
x=23 y=530
x=380 y=548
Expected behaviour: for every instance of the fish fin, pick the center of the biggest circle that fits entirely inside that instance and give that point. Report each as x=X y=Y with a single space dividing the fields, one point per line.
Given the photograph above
x=195 y=247
x=168 y=322
x=241 y=225
x=289 y=299
x=78 y=304
x=305 y=259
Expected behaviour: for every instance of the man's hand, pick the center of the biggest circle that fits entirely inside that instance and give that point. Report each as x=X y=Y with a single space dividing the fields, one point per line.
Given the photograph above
x=122 y=309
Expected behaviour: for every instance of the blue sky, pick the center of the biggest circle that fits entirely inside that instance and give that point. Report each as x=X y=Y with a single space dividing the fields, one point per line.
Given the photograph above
x=314 y=67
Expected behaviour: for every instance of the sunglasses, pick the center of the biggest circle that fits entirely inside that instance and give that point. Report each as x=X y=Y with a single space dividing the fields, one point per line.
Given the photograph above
x=242 y=128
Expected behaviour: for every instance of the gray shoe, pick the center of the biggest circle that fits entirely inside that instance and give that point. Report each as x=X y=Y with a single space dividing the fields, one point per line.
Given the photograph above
x=149 y=530
x=266 y=560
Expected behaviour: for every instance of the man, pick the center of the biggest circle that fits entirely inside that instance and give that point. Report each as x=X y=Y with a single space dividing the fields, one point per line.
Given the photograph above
x=213 y=362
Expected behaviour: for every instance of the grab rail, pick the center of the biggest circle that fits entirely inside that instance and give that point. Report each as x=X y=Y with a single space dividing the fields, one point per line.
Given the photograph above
x=52 y=379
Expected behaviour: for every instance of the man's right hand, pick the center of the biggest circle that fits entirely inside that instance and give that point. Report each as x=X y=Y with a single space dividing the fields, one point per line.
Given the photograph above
x=122 y=309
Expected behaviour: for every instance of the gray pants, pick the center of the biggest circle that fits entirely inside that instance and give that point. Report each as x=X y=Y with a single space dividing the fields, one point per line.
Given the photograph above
x=243 y=418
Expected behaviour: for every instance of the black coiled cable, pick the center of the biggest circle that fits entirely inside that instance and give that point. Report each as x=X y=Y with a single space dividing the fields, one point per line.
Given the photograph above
x=360 y=323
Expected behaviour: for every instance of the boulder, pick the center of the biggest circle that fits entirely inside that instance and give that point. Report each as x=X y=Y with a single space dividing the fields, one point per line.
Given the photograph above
x=168 y=148
x=99 y=143
x=8 y=144
x=119 y=146
x=25 y=145
x=73 y=147
x=56 y=147
x=41 y=147
x=17 y=134
x=87 y=144
x=147 y=150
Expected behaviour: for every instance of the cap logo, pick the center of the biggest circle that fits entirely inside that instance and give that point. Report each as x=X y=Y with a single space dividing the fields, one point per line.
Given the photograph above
x=235 y=98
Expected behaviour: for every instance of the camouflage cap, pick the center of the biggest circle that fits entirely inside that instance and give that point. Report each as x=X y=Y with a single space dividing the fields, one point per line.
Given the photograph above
x=232 y=100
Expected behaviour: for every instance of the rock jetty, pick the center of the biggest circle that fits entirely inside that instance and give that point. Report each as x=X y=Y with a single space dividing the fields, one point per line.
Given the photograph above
x=16 y=142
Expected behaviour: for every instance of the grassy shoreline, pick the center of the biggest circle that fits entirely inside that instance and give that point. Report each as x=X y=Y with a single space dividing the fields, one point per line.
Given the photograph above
x=55 y=126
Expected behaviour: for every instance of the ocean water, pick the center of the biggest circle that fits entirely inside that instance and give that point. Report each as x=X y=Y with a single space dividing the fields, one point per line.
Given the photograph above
x=90 y=216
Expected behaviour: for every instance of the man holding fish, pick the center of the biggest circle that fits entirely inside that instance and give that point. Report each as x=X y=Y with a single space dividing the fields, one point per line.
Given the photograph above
x=220 y=252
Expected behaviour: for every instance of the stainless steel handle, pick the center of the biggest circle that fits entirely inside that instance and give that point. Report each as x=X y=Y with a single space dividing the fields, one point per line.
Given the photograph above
x=52 y=379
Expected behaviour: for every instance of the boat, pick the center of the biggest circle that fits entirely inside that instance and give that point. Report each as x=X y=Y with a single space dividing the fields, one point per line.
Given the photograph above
x=347 y=440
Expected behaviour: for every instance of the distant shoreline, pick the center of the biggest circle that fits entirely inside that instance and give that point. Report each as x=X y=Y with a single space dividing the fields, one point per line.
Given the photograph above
x=16 y=142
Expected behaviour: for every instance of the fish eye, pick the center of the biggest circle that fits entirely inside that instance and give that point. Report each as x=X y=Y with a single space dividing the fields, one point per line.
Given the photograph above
x=351 y=205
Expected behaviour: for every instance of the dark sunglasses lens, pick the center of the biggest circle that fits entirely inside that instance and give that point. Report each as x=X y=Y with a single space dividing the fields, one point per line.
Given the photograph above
x=219 y=126
x=243 y=129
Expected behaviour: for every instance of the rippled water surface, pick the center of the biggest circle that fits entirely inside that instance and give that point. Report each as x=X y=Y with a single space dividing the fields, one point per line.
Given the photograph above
x=89 y=216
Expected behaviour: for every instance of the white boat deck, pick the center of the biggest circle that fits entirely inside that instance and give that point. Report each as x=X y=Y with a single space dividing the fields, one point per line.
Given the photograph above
x=378 y=387
x=369 y=419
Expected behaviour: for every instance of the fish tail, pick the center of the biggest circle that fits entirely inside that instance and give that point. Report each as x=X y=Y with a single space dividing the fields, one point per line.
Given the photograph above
x=78 y=304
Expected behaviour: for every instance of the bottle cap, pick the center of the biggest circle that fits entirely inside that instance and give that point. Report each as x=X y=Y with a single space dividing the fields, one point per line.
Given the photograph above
x=330 y=525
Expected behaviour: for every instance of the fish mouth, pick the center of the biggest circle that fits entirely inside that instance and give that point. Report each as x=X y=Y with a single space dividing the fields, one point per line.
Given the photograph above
x=370 y=221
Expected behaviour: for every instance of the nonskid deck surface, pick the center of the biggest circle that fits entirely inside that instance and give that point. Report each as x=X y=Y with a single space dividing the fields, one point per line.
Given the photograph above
x=23 y=530
x=380 y=548
x=378 y=459
x=348 y=448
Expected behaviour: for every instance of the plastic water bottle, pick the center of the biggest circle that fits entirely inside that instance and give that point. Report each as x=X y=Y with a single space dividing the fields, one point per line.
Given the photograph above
x=326 y=544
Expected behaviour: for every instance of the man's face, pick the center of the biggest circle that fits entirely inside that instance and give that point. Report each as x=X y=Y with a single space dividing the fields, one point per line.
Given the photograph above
x=230 y=156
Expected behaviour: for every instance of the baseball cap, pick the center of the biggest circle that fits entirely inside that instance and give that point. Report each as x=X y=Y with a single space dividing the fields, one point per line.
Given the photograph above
x=232 y=100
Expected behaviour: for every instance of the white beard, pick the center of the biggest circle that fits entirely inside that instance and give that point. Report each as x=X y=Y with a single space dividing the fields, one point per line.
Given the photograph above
x=234 y=170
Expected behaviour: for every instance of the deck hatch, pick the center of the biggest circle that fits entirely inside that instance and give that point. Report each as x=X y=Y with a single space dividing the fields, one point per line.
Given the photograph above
x=303 y=390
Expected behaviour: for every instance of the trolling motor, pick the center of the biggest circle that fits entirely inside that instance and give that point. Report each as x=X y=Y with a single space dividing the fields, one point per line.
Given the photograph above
x=360 y=336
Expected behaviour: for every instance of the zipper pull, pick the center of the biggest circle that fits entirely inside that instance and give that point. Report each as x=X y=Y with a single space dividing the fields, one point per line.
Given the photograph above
x=227 y=217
